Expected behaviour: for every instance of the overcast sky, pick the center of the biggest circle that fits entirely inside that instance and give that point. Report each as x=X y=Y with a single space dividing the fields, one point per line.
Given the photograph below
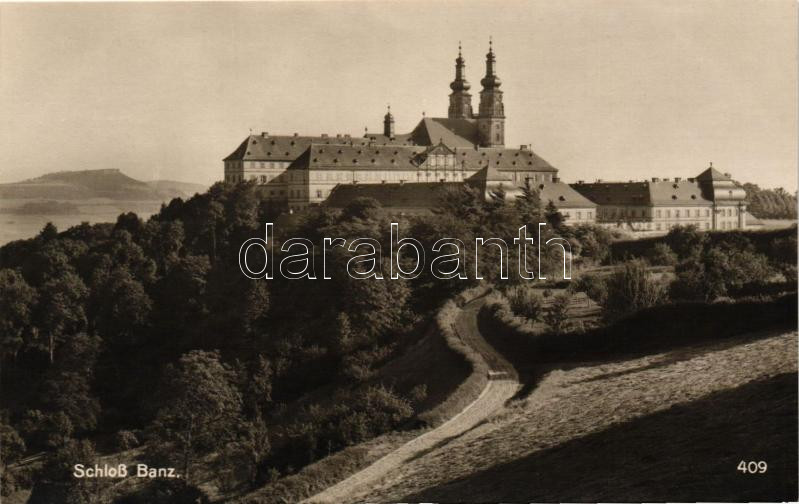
x=601 y=89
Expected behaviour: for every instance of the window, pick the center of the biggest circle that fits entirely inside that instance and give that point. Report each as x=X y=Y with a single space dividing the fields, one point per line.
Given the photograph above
x=677 y=213
x=657 y=213
x=263 y=179
x=579 y=215
x=657 y=226
x=707 y=212
x=696 y=213
x=318 y=193
x=668 y=214
x=707 y=225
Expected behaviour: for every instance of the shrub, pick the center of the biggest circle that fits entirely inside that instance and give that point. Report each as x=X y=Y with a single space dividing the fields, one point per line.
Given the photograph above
x=662 y=255
x=686 y=241
x=526 y=303
x=126 y=440
x=594 y=287
x=631 y=289
x=718 y=271
x=594 y=242
x=556 y=313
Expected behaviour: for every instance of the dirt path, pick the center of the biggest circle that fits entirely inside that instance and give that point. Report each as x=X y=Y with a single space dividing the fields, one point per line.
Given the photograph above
x=491 y=399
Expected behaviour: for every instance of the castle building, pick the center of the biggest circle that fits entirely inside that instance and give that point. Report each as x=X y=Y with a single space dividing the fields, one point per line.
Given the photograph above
x=710 y=201
x=297 y=171
x=408 y=171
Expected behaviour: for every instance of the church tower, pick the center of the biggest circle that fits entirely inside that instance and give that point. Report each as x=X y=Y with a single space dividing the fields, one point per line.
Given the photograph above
x=491 y=118
x=460 y=101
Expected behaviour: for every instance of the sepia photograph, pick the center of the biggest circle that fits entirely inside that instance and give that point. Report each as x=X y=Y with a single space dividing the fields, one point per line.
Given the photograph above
x=425 y=251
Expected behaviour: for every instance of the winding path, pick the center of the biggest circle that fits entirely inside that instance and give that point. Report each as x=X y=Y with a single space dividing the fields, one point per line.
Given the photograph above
x=501 y=386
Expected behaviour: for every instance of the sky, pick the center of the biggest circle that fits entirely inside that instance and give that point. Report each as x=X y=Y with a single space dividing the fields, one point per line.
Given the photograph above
x=611 y=89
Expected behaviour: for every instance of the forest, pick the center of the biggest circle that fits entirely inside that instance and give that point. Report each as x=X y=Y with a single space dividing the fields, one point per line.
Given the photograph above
x=145 y=337
x=770 y=203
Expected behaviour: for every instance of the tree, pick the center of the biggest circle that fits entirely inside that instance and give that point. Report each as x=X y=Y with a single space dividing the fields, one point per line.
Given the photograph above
x=361 y=208
x=49 y=232
x=60 y=309
x=662 y=255
x=686 y=241
x=594 y=287
x=12 y=443
x=58 y=484
x=553 y=215
x=526 y=303
x=528 y=204
x=631 y=289
x=594 y=242
x=17 y=300
x=556 y=314
x=124 y=307
x=200 y=405
x=718 y=271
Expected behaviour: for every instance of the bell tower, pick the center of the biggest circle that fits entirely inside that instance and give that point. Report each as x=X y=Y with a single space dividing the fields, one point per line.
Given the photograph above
x=460 y=101
x=491 y=118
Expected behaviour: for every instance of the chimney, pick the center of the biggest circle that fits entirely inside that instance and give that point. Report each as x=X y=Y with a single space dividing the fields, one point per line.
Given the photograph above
x=655 y=179
x=728 y=175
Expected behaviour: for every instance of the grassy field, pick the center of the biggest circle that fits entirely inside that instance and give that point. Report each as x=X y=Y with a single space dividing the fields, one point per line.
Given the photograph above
x=668 y=426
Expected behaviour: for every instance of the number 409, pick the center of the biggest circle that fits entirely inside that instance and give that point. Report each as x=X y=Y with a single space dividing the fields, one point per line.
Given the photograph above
x=752 y=467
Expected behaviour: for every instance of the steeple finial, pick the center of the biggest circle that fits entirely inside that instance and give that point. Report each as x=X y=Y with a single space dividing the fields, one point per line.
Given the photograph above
x=491 y=80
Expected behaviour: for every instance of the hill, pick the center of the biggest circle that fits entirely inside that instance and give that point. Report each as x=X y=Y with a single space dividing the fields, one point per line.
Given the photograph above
x=670 y=426
x=87 y=184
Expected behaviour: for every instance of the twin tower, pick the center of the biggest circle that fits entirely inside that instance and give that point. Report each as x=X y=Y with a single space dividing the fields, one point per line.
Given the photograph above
x=491 y=114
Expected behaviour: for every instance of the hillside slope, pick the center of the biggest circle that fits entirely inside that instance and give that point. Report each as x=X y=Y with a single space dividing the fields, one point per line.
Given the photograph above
x=86 y=184
x=672 y=426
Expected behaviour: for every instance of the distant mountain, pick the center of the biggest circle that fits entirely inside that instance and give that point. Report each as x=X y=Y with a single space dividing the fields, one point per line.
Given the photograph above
x=86 y=184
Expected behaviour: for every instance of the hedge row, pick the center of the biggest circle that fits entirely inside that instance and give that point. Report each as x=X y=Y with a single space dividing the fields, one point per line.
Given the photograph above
x=657 y=329
x=477 y=380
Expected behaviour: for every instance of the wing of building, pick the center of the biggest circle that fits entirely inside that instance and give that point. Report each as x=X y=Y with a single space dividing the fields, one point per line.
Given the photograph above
x=710 y=201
